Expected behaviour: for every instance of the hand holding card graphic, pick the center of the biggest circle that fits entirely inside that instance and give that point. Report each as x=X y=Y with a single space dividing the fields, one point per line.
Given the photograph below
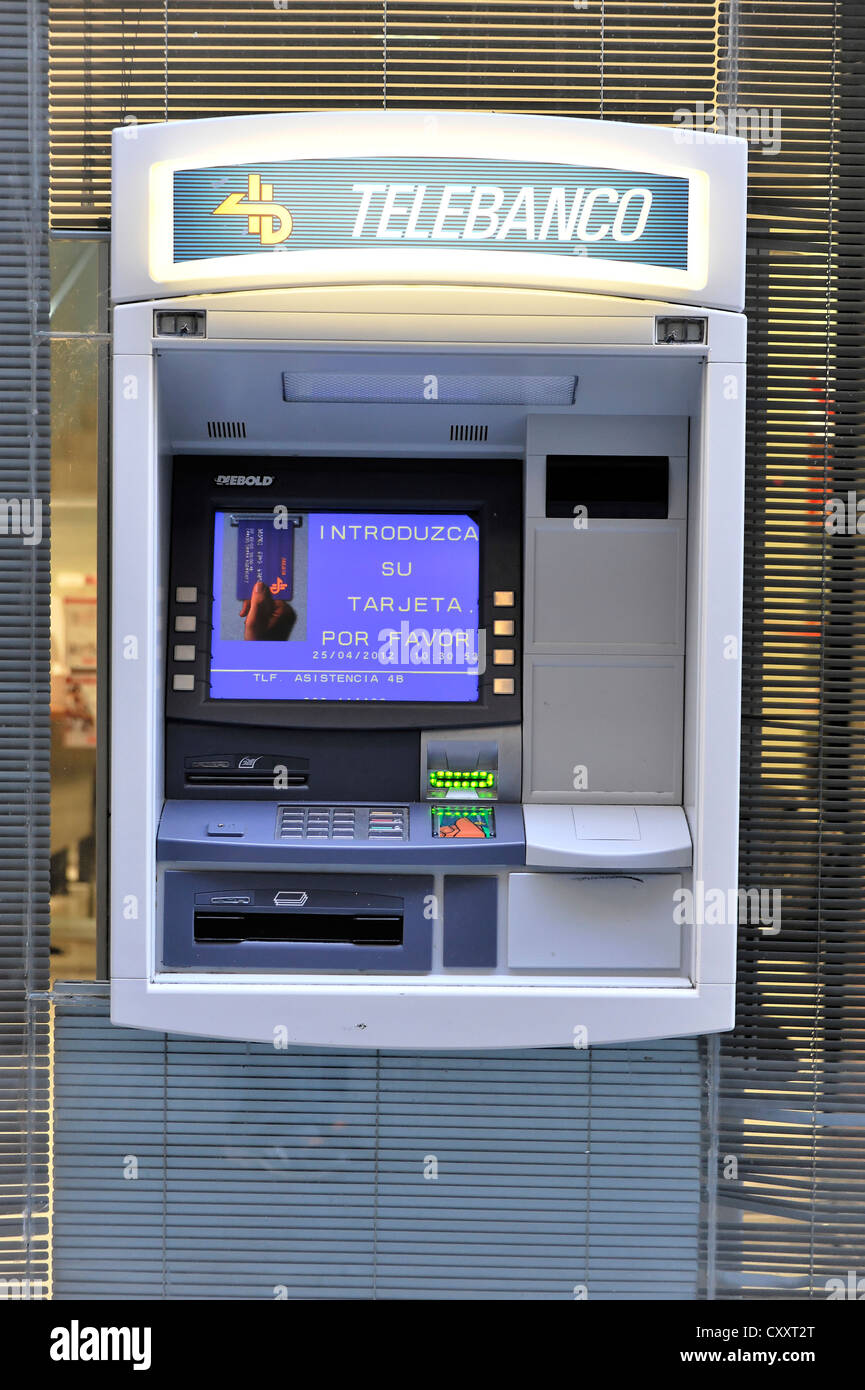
x=267 y=619
x=462 y=829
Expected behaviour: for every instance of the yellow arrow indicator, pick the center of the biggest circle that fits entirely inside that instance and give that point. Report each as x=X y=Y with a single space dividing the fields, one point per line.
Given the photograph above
x=269 y=220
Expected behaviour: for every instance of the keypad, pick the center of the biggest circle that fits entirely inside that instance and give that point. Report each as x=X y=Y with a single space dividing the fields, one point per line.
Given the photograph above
x=340 y=823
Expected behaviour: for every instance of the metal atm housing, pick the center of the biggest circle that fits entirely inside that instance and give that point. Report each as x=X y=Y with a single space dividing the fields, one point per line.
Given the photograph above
x=529 y=867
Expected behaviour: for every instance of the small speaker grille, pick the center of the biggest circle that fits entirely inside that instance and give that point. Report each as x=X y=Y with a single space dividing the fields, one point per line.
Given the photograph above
x=226 y=429
x=470 y=434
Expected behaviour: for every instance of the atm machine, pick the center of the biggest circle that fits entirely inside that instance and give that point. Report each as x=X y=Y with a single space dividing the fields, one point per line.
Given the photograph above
x=427 y=511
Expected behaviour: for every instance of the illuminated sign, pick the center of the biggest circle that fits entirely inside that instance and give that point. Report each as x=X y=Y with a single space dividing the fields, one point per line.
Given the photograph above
x=400 y=201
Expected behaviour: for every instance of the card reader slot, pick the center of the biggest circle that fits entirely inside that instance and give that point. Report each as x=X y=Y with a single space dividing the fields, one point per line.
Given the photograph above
x=346 y=928
x=246 y=778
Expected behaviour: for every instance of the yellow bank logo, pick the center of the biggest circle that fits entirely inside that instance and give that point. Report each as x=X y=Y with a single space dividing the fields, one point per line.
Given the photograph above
x=264 y=218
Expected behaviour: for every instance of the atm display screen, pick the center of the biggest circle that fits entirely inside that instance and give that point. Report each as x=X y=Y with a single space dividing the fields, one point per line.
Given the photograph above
x=345 y=606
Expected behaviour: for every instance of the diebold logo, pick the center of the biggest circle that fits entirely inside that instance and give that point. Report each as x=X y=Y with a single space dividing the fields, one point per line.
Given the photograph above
x=267 y=220
x=239 y=480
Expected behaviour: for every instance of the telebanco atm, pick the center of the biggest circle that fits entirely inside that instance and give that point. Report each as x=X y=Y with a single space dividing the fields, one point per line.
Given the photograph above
x=427 y=503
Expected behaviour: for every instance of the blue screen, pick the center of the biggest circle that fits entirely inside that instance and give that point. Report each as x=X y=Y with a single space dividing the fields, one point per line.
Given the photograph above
x=345 y=606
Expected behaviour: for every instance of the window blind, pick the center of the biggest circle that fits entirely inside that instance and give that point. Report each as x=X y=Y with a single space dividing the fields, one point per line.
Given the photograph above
x=115 y=63
x=792 y=1133
x=197 y=1169
x=24 y=657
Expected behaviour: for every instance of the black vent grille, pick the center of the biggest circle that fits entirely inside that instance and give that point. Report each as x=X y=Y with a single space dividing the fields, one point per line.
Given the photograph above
x=470 y=434
x=226 y=429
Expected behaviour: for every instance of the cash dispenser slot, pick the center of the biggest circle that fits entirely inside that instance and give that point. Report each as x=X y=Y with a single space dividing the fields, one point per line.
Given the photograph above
x=352 y=928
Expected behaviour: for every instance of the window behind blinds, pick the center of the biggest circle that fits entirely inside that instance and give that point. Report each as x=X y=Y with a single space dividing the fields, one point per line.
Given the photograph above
x=24 y=658
x=115 y=63
x=792 y=1210
x=198 y=1169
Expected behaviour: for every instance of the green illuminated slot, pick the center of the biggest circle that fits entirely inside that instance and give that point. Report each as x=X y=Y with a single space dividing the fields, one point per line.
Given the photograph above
x=455 y=780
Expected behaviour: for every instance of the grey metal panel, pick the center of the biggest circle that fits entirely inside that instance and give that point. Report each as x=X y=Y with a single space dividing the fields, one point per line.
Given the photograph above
x=617 y=586
x=604 y=626
x=603 y=729
x=243 y=384
x=621 y=425
x=24 y=669
x=302 y=1174
x=607 y=837
x=186 y=836
x=604 y=922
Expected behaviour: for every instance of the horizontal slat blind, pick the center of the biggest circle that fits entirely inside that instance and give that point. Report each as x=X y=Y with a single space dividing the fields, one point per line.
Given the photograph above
x=328 y=1174
x=617 y=60
x=113 y=63
x=24 y=654
x=792 y=1209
